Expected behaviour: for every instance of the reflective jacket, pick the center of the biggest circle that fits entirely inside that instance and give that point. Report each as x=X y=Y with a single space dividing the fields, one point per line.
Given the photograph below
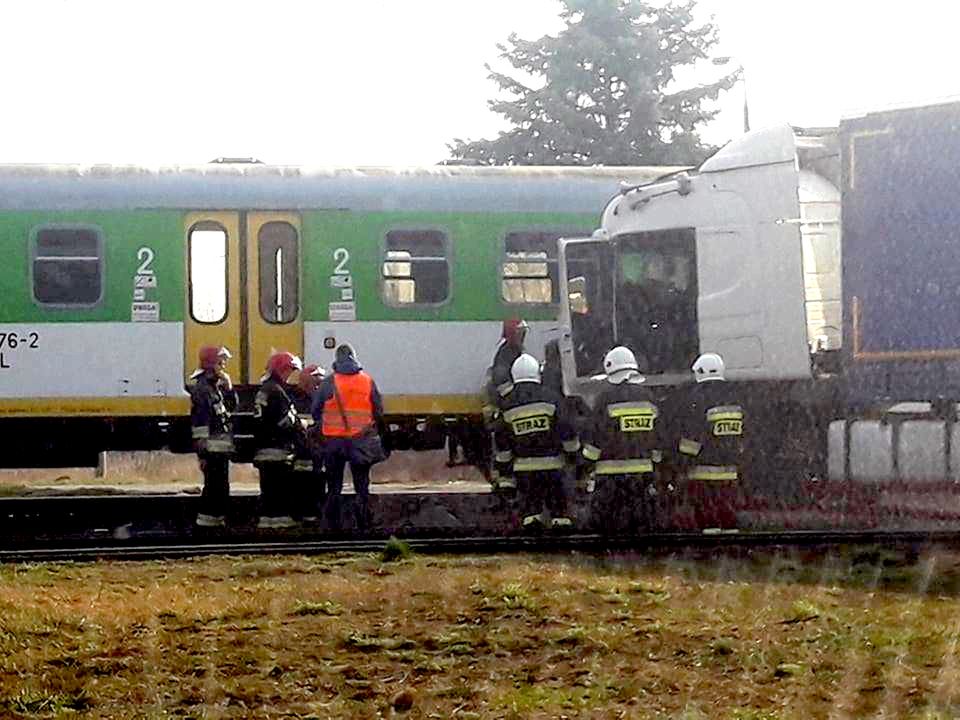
x=362 y=404
x=533 y=430
x=711 y=423
x=277 y=424
x=349 y=410
x=210 y=407
x=625 y=431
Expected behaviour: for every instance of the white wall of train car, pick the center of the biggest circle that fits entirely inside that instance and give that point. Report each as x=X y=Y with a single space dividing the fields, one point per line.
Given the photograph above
x=744 y=206
x=101 y=368
x=820 y=235
x=440 y=363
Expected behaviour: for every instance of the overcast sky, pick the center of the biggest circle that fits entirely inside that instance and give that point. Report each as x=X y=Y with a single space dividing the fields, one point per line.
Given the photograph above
x=333 y=82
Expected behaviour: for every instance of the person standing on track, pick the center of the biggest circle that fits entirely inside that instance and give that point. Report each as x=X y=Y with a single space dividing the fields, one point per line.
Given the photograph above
x=212 y=399
x=510 y=347
x=278 y=433
x=349 y=409
x=499 y=384
x=534 y=438
x=623 y=440
x=309 y=480
x=710 y=448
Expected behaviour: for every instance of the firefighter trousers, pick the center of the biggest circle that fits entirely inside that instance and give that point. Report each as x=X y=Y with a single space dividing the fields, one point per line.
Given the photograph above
x=276 y=487
x=542 y=489
x=216 y=483
x=714 y=503
x=310 y=489
x=623 y=503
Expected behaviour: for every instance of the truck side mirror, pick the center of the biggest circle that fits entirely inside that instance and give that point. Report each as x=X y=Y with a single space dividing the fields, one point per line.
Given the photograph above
x=577 y=295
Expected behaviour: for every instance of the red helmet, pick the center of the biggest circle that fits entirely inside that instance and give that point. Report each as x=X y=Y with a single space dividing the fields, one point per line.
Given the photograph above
x=514 y=331
x=310 y=378
x=212 y=355
x=282 y=364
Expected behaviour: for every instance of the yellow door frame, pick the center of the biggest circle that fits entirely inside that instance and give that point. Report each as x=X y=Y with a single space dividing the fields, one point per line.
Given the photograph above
x=264 y=337
x=227 y=332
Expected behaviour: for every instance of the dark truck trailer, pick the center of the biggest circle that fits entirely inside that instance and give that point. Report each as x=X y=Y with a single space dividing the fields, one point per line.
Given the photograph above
x=901 y=255
x=900 y=191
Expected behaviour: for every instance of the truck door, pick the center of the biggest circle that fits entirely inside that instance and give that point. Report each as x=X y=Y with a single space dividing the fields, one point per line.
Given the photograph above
x=243 y=288
x=587 y=308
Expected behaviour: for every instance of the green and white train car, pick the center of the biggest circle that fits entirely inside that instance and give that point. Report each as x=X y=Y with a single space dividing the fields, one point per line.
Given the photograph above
x=113 y=277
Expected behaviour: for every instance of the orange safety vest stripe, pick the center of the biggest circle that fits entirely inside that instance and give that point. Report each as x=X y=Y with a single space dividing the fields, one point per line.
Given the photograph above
x=357 y=407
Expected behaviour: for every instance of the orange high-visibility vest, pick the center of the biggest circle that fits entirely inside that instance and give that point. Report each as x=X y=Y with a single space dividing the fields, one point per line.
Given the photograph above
x=355 y=394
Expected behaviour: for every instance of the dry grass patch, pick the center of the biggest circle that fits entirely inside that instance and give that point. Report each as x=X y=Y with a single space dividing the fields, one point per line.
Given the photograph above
x=181 y=471
x=465 y=637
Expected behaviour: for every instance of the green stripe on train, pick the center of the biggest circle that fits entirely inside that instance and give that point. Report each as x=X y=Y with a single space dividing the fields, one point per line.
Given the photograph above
x=124 y=233
x=477 y=248
x=476 y=242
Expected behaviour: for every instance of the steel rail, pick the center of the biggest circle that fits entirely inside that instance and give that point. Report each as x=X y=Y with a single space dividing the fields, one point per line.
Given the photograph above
x=544 y=543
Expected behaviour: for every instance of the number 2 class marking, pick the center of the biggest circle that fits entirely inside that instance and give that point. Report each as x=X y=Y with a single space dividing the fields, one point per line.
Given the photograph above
x=145 y=256
x=340 y=257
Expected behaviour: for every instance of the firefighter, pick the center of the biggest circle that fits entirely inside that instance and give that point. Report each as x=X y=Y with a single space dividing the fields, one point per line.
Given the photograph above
x=510 y=347
x=499 y=384
x=349 y=409
x=710 y=445
x=212 y=399
x=623 y=440
x=278 y=433
x=308 y=475
x=534 y=441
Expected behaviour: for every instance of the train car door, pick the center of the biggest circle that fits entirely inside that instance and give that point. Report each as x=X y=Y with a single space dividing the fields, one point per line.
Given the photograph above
x=274 y=317
x=214 y=303
x=243 y=288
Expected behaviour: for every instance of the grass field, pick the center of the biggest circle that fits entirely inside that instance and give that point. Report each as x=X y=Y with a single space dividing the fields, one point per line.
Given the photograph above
x=752 y=638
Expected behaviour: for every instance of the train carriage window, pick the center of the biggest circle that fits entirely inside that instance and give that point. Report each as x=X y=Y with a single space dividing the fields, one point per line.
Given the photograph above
x=279 y=272
x=529 y=268
x=67 y=266
x=208 y=272
x=416 y=270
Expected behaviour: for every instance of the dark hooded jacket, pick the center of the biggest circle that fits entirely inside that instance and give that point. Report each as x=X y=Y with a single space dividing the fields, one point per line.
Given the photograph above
x=211 y=403
x=277 y=423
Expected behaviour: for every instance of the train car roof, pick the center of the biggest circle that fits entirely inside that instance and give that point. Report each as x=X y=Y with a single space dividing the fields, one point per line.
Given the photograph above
x=254 y=186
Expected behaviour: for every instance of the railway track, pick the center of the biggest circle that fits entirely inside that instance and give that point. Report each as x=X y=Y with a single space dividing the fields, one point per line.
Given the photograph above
x=148 y=526
x=591 y=544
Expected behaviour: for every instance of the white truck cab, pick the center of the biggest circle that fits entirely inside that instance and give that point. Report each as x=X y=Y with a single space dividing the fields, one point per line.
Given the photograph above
x=740 y=257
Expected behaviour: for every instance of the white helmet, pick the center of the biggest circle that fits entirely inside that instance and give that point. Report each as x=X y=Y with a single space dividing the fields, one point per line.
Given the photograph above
x=620 y=364
x=525 y=368
x=708 y=366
